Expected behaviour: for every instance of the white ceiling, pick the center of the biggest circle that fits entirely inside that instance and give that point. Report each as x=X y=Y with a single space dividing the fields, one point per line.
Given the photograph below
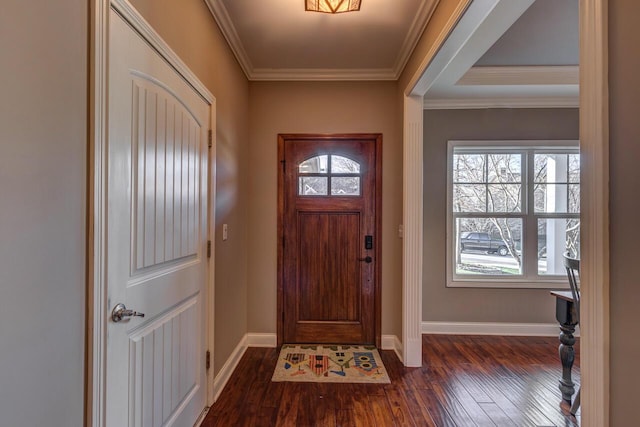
x=279 y=40
x=503 y=53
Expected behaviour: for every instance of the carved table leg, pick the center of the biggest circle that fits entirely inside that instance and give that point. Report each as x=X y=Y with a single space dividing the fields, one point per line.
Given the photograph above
x=567 y=356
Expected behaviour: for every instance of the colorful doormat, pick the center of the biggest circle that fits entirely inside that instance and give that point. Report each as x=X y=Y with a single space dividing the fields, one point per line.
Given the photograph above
x=330 y=363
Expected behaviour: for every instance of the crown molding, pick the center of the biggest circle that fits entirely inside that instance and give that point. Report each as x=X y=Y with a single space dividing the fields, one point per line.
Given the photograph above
x=501 y=102
x=321 y=74
x=521 y=75
x=220 y=14
x=228 y=29
x=418 y=26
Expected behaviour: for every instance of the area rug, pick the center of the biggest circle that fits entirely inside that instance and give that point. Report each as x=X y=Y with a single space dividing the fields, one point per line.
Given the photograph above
x=330 y=363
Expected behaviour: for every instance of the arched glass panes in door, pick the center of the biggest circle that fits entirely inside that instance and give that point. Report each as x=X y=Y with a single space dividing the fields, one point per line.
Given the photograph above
x=326 y=175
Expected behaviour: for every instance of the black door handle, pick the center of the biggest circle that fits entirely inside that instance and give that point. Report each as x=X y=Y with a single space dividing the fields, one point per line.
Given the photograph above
x=366 y=259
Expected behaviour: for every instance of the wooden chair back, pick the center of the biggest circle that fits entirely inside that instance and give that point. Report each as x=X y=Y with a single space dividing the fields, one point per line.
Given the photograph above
x=572 y=265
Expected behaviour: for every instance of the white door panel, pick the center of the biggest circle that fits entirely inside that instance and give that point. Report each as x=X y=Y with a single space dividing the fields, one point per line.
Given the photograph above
x=156 y=237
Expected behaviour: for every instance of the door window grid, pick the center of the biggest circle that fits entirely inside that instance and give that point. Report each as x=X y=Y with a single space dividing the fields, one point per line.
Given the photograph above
x=329 y=175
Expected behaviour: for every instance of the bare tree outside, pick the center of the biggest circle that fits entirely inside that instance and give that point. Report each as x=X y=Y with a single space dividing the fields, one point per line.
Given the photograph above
x=490 y=201
x=489 y=184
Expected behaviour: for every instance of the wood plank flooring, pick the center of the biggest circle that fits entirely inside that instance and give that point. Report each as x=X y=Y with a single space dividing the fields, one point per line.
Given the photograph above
x=464 y=381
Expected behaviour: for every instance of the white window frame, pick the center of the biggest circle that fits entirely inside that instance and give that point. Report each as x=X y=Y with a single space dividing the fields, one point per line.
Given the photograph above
x=530 y=277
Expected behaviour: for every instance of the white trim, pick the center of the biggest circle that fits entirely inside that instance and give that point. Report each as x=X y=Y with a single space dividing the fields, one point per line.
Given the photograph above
x=420 y=83
x=392 y=342
x=502 y=102
x=491 y=328
x=256 y=339
x=412 y=241
x=211 y=290
x=321 y=74
x=133 y=17
x=522 y=75
x=202 y=416
x=220 y=14
x=229 y=366
x=97 y=287
x=418 y=25
x=594 y=264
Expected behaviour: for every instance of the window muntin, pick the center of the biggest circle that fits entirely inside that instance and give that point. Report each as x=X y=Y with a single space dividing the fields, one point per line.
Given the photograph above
x=557 y=182
x=522 y=196
x=487 y=182
x=329 y=175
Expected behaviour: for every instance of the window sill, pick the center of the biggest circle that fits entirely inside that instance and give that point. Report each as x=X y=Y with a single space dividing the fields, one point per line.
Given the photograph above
x=550 y=284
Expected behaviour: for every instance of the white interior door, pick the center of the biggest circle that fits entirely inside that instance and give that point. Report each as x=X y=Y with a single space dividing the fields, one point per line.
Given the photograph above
x=156 y=237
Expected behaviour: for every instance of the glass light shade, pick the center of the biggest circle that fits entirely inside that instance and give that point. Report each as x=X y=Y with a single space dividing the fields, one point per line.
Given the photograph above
x=332 y=6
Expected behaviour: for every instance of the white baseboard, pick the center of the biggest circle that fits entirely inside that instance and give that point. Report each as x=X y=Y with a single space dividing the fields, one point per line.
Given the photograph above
x=202 y=416
x=229 y=366
x=392 y=342
x=488 y=328
x=249 y=340
x=262 y=340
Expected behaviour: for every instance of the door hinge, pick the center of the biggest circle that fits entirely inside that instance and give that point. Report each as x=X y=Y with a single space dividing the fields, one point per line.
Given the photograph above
x=210 y=138
x=284 y=163
x=208 y=248
x=208 y=360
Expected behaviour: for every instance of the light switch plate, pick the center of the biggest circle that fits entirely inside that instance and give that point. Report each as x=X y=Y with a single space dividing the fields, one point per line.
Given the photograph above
x=225 y=232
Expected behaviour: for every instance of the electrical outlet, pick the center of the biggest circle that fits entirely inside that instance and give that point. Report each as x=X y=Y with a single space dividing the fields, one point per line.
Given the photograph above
x=400 y=231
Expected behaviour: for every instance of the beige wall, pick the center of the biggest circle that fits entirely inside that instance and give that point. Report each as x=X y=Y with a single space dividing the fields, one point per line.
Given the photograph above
x=473 y=304
x=43 y=141
x=189 y=28
x=319 y=107
x=624 y=63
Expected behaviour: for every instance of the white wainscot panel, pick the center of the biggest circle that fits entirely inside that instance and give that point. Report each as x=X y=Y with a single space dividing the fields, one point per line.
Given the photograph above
x=166 y=147
x=164 y=366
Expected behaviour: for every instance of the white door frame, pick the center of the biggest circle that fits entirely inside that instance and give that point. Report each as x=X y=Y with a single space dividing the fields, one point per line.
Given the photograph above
x=97 y=310
x=594 y=145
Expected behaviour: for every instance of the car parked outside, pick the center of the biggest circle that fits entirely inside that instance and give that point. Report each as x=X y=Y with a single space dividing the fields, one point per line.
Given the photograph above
x=481 y=241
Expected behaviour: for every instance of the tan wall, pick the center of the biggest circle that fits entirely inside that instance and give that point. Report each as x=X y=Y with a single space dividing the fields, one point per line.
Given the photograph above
x=43 y=155
x=473 y=304
x=624 y=63
x=319 y=107
x=190 y=30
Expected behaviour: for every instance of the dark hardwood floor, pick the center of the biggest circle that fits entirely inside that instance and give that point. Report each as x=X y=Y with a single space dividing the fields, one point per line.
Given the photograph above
x=463 y=381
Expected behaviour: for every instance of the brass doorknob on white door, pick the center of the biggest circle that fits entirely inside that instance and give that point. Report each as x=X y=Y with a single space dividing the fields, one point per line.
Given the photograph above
x=120 y=311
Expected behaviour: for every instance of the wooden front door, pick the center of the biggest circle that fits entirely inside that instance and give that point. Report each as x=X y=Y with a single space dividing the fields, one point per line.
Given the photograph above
x=329 y=198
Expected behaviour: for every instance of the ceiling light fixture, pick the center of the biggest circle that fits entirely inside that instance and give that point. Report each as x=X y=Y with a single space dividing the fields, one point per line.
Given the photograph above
x=332 y=6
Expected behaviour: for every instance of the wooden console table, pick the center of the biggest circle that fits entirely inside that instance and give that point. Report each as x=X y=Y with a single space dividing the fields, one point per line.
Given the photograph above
x=567 y=317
